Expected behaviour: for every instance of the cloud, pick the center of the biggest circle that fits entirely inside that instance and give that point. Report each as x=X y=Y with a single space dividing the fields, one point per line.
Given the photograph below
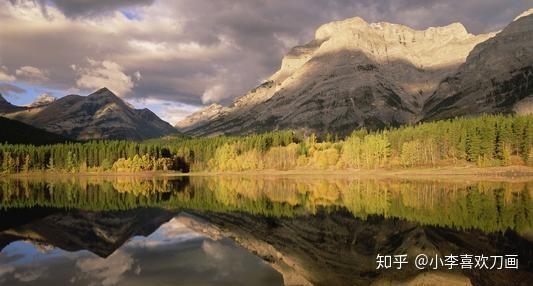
x=214 y=93
x=137 y=76
x=218 y=252
x=195 y=52
x=176 y=112
x=9 y=89
x=30 y=275
x=84 y=8
x=215 y=250
x=104 y=74
x=4 y=75
x=171 y=112
x=109 y=270
x=31 y=74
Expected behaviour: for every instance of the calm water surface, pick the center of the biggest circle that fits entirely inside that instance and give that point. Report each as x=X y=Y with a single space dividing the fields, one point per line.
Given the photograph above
x=258 y=230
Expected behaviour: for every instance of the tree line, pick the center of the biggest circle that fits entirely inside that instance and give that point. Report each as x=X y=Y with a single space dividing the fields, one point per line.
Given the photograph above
x=488 y=140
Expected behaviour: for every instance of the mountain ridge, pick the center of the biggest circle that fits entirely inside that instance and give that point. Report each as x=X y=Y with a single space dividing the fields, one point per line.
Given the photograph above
x=495 y=77
x=6 y=106
x=353 y=74
x=100 y=115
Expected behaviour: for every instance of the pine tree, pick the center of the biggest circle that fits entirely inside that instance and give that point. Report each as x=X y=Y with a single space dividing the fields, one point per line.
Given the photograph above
x=472 y=145
x=26 y=164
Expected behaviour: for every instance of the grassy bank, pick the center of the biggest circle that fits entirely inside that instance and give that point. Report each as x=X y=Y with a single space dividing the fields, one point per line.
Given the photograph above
x=507 y=173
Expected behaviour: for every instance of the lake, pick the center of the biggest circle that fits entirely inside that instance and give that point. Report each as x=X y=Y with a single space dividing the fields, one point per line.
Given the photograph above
x=264 y=230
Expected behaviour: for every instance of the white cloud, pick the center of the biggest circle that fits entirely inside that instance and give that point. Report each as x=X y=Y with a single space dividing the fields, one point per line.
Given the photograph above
x=6 y=77
x=148 y=46
x=104 y=74
x=32 y=74
x=215 y=250
x=214 y=93
x=171 y=112
x=109 y=270
x=174 y=114
x=4 y=74
x=137 y=75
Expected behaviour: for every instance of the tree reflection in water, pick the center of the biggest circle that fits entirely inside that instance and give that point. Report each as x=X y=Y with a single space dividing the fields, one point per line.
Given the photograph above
x=324 y=231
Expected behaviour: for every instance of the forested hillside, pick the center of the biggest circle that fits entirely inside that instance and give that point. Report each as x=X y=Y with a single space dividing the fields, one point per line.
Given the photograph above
x=15 y=132
x=486 y=141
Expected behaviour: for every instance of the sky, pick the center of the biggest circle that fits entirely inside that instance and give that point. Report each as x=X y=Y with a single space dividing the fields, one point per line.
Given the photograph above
x=176 y=56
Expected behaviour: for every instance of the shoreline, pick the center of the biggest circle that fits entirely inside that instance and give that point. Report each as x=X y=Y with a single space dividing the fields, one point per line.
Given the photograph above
x=509 y=173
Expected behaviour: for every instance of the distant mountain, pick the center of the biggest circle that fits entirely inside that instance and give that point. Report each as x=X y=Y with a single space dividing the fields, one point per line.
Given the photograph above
x=16 y=132
x=43 y=99
x=98 y=232
x=496 y=77
x=101 y=115
x=357 y=74
x=6 y=107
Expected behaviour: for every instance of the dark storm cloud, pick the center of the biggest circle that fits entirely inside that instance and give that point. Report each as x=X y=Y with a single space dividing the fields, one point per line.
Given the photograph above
x=262 y=31
x=85 y=8
x=182 y=49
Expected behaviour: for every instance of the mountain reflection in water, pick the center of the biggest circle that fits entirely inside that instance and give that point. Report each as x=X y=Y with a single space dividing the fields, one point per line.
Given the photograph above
x=257 y=230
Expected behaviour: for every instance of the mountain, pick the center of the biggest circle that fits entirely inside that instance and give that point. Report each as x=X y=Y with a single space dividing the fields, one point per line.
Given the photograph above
x=16 y=132
x=333 y=248
x=496 y=77
x=101 y=115
x=338 y=249
x=353 y=74
x=43 y=99
x=98 y=232
x=357 y=74
x=5 y=106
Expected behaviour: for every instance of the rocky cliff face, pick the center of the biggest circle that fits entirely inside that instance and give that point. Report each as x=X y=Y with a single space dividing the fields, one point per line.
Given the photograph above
x=496 y=77
x=355 y=74
x=101 y=115
x=352 y=74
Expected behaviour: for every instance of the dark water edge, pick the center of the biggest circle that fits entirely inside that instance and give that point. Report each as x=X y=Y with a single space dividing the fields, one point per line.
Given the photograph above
x=236 y=231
